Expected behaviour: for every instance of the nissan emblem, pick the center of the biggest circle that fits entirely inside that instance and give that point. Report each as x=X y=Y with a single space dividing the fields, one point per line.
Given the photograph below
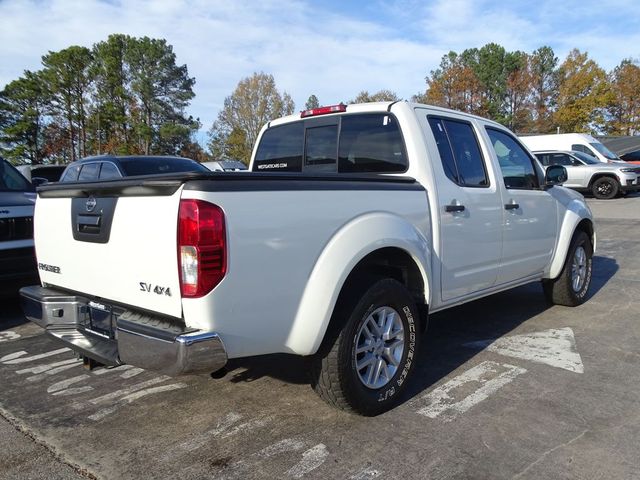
x=91 y=204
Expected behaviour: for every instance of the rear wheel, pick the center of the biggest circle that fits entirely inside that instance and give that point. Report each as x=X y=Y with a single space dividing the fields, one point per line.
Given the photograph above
x=571 y=287
x=605 y=188
x=363 y=367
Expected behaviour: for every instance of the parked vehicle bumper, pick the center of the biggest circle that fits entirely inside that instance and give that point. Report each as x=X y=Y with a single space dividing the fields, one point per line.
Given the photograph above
x=17 y=268
x=143 y=344
x=629 y=182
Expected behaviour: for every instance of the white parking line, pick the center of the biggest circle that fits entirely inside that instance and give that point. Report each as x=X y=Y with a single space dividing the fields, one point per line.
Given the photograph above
x=135 y=396
x=366 y=474
x=46 y=367
x=59 y=387
x=311 y=459
x=490 y=377
x=126 y=391
x=19 y=357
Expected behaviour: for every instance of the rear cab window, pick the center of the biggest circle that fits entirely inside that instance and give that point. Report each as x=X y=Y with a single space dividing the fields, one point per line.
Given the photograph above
x=350 y=143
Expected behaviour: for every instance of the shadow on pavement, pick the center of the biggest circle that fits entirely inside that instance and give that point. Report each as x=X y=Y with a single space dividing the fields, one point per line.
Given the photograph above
x=442 y=350
x=11 y=313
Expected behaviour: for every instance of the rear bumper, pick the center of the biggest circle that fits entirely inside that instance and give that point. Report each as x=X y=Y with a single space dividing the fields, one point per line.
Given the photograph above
x=139 y=343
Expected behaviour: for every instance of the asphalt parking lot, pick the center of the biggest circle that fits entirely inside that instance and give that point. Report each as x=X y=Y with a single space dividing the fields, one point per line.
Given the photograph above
x=505 y=388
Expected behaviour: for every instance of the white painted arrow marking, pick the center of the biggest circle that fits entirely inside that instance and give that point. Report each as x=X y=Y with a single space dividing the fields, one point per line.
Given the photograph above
x=445 y=400
x=554 y=347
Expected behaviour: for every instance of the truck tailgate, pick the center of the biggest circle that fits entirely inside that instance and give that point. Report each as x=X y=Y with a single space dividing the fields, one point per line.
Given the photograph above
x=120 y=248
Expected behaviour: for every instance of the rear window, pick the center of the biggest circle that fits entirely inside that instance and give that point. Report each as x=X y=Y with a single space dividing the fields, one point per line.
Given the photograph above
x=150 y=166
x=371 y=143
x=356 y=143
x=280 y=149
x=71 y=173
x=11 y=179
x=89 y=172
x=109 y=171
x=321 y=151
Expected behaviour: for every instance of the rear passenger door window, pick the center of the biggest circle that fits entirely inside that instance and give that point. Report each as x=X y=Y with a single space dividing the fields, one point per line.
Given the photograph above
x=459 y=152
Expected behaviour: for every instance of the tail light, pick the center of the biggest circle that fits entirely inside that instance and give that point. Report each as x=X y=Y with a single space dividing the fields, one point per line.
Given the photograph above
x=202 y=247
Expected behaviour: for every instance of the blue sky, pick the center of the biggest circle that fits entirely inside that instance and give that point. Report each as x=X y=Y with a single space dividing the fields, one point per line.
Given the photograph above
x=332 y=49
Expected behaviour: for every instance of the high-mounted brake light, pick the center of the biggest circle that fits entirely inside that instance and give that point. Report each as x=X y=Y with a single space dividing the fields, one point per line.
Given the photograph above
x=202 y=247
x=324 y=110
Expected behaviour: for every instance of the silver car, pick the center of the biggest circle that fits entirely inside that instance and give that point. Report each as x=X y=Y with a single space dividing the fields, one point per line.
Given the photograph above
x=587 y=174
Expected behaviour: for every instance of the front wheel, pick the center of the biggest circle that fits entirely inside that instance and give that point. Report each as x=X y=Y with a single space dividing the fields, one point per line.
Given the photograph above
x=364 y=366
x=605 y=188
x=571 y=287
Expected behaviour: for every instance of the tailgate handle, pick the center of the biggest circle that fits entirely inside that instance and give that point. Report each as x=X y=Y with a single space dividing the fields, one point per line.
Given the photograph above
x=91 y=218
x=89 y=223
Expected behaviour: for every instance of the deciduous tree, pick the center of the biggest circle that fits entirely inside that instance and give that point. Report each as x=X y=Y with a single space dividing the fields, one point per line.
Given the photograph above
x=583 y=94
x=625 y=107
x=254 y=102
x=380 y=96
x=544 y=88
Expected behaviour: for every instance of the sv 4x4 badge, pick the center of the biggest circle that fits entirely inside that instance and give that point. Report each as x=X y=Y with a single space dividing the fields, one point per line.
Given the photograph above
x=157 y=289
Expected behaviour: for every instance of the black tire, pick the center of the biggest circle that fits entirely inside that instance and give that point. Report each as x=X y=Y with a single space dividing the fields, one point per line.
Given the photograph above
x=562 y=291
x=605 y=188
x=334 y=373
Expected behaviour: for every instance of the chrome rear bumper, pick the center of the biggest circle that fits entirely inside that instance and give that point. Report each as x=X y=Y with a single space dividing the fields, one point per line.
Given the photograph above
x=142 y=344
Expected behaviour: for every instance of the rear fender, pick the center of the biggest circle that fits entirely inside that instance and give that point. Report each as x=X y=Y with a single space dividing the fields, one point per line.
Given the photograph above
x=343 y=252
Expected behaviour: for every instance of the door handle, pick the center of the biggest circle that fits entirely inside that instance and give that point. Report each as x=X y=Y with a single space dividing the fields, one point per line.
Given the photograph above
x=511 y=206
x=454 y=208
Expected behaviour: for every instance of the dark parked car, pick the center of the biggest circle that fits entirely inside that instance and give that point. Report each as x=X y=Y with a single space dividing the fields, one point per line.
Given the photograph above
x=17 y=258
x=107 y=167
x=631 y=157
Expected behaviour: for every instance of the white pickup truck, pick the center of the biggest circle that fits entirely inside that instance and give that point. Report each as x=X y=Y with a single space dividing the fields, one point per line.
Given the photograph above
x=371 y=216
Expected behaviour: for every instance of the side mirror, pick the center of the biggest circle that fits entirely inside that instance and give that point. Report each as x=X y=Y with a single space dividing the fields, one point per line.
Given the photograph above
x=555 y=175
x=39 y=181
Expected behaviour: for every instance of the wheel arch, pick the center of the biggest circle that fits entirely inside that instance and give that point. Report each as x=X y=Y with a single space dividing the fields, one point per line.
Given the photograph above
x=598 y=176
x=578 y=219
x=398 y=251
